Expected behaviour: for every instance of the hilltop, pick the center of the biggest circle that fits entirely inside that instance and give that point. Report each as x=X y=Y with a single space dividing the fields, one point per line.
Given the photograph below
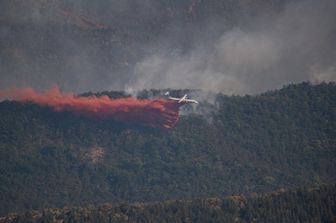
x=233 y=145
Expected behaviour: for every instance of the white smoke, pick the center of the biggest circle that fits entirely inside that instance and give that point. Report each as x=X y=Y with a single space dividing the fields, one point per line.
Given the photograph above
x=235 y=47
x=291 y=46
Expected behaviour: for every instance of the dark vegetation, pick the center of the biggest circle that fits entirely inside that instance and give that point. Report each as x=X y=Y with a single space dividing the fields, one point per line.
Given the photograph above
x=307 y=205
x=280 y=139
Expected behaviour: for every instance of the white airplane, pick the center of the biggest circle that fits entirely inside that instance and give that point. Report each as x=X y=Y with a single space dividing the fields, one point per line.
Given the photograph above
x=181 y=100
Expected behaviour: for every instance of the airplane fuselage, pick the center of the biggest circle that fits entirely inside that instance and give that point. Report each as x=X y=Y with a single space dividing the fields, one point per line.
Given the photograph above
x=184 y=99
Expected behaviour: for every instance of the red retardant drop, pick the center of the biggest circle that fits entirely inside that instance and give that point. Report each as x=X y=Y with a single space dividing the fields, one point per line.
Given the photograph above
x=154 y=113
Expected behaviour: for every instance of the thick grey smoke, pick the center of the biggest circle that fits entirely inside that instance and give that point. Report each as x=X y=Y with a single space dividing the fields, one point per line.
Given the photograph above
x=235 y=47
x=296 y=44
x=79 y=45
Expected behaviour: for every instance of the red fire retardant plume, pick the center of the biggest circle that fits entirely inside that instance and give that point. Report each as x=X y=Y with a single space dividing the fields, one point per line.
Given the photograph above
x=155 y=113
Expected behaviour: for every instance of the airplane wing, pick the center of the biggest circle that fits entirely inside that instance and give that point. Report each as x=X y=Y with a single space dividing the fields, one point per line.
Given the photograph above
x=175 y=99
x=183 y=98
x=191 y=101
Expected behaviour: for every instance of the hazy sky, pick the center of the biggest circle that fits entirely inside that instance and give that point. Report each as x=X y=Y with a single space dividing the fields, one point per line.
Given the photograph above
x=248 y=47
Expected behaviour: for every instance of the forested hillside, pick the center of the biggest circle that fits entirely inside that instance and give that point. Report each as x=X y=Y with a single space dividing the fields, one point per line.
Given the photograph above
x=241 y=144
x=313 y=205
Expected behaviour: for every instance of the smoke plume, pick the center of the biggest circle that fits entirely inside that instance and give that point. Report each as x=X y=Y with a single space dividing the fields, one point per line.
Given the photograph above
x=154 y=113
x=233 y=47
x=270 y=50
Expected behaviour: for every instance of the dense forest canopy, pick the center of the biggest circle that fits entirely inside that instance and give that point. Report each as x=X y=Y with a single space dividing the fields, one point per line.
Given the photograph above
x=315 y=205
x=228 y=146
